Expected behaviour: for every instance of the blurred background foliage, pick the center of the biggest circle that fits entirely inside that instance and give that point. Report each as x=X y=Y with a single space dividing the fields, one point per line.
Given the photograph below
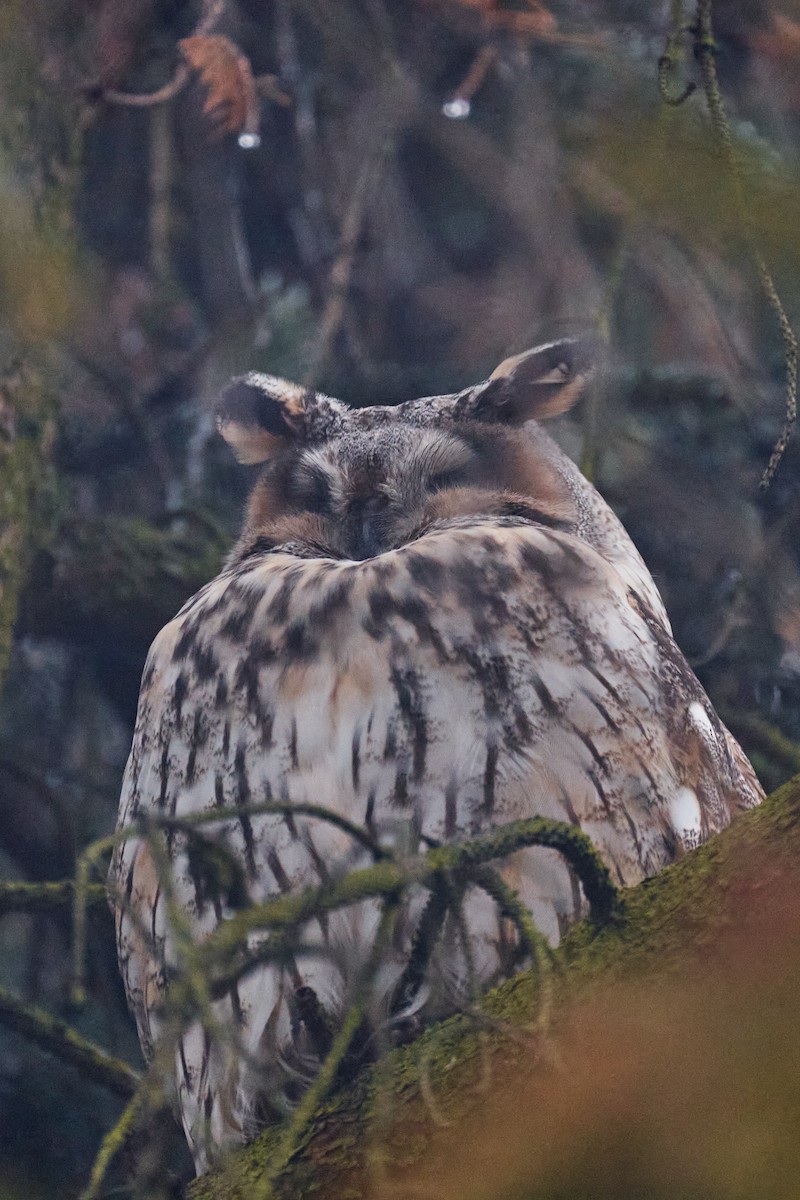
x=384 y=198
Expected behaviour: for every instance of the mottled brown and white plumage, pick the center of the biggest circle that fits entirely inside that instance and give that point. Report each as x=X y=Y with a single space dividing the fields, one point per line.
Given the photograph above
x=431 y=624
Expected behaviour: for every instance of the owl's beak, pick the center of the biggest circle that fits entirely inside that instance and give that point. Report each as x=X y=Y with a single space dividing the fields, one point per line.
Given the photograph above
x=367 y=527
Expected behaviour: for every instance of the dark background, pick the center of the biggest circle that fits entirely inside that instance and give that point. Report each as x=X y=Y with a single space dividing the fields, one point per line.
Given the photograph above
x=382 y=249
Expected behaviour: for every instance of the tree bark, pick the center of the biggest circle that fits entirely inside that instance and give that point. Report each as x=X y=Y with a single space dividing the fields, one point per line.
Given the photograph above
x=37 y=154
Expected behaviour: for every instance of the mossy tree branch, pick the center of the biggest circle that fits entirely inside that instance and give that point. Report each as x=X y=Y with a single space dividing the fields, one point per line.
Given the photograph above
x=198 y=965
x=21 y=896
x=649 y=925
x=38 y=155
x=58 y=1038
x=389 y=878
x=660 y=926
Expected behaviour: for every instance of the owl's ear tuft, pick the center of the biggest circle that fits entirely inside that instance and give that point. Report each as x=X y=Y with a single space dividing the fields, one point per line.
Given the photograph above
x=539 y=383
x=258 y=414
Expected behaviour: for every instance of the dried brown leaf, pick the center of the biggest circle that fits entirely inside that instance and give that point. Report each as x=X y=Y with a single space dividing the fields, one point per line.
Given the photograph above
x=232 y=102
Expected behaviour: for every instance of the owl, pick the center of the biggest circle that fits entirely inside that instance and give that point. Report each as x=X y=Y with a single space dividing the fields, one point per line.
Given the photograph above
x=432 y=625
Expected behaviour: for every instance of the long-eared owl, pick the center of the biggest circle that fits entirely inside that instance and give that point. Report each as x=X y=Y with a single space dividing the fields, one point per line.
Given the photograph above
x=431 y=624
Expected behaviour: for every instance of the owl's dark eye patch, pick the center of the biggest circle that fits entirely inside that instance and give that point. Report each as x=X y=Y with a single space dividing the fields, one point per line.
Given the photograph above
x=444 y=479
x=311 y=491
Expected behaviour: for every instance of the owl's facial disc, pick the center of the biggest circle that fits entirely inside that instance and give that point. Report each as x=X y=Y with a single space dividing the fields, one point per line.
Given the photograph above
x=357 y=483
x=370 y=491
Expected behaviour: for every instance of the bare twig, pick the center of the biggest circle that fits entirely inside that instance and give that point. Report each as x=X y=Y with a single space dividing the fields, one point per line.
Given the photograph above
x=212 y=10
x=86 y=863
x=790 y=354
x=461 y=96
x=278 y=808
x=427 y=1093
x=202 y=971
x=423 y=944
x=342 y=269
x=705 y=51
x=147 y=99
x=160 y=171
x=762 y=733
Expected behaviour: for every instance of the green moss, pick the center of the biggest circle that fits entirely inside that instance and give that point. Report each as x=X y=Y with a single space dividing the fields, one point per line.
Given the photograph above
x=38 y=154
x=21 y=896
x=658 y=925
x=26 y=487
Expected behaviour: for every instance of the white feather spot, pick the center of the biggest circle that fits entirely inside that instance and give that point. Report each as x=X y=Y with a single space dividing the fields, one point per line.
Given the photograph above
x=684 y=811
x=700 y=719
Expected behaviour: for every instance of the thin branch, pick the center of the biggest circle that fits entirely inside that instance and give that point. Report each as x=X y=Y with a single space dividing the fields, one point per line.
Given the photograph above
x=671 y=60
x=278 y=950
x=705 y=52
x=300 y=1121
x=769 y=737
x=86 y=862
x=388 y=878
x=147 y=99
x=532 y=939
x=189 y=964
x=113 y=1142
x=278 y=808
x=342 y=269
x=471 y=980
x=462 y=95
x=790 y=354
x=423 y=944
x=160 y=171
x=427 y=1093
x=198 y=966
x=143 y=828
x=61 y=1040
x=212 y=10
x=18 y=896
